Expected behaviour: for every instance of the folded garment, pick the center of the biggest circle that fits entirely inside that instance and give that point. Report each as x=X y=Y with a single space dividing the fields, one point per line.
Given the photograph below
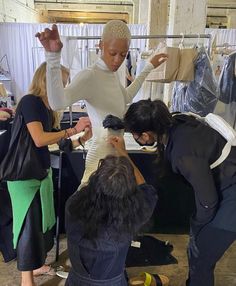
x=167 y=71
x=152 y=251
x=186 y=64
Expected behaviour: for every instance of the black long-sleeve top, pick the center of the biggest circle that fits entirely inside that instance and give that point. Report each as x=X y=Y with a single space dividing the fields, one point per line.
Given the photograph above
x=192 y=147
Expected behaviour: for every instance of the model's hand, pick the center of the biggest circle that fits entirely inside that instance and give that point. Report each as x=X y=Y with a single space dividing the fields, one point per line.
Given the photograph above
x=119 y=144
x=82 y=124
x=50 y=39
x=158 y=59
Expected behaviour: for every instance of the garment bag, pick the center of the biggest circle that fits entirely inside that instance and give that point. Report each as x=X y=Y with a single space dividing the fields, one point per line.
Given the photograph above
x=226 y=106
x=200 y=95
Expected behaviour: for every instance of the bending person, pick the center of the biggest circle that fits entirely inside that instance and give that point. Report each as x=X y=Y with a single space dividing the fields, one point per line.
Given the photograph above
x=32 y=199
x=190 y=147
x=102 y=218
x=98 y=85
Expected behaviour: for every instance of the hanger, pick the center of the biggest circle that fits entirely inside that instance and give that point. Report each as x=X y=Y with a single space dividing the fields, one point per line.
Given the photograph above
x=181 y=43
x=146 y=54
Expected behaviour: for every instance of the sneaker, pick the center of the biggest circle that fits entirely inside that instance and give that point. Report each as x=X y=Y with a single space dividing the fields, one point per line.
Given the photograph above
x=62 y=274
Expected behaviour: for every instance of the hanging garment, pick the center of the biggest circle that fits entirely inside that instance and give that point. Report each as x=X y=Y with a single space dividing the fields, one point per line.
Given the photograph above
x=167 y=71
x=226 y=106
x=129 y=68
x=198 y=96
x=186 y=64
x=217 y=62
x=227 y=81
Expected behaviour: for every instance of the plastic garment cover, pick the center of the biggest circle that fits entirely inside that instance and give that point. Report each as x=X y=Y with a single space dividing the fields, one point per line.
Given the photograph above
x=200 y=95
x=227 y=80
x=226 y=106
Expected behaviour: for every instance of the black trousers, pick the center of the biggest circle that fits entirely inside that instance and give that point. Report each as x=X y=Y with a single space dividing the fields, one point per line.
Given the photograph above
x=33 y=244
x=6 y=236
x=211 y=243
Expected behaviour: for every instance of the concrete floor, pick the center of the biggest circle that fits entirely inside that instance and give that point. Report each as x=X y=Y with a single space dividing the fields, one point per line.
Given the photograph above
x=225 y=272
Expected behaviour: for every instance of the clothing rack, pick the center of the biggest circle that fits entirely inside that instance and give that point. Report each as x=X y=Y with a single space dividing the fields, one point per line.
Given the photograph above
x=139 y=37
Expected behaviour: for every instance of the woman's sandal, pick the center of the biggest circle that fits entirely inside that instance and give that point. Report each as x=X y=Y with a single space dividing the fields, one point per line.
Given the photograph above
x=44 y=270
x=146 y=279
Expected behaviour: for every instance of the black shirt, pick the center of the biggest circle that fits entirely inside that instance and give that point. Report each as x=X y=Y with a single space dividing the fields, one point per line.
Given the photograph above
x=33 y=109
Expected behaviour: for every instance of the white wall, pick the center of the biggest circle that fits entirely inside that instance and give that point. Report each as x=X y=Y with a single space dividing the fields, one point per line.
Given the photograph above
x=18 y=11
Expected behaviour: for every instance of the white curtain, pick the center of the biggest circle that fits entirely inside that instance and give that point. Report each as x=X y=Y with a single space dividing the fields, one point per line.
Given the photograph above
x=223 y=35
x=25 y=53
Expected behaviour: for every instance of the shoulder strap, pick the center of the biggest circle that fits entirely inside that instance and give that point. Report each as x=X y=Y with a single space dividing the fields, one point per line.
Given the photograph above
x=223 y=127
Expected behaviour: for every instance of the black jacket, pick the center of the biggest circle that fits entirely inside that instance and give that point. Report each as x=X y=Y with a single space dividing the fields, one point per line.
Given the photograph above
x=192 y=147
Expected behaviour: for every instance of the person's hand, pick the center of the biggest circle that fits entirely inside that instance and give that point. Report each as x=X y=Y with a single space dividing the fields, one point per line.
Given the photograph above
x=82 y=124
x=158 y=59
x=50 y=39
x=87 y=134
x=119 y=144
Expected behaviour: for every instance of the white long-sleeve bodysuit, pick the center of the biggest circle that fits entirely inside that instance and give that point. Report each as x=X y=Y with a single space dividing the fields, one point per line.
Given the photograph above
x=103 y=95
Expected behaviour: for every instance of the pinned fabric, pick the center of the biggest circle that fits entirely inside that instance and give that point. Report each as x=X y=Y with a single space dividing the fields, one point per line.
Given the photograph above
x=167 y=71
x=113 y=122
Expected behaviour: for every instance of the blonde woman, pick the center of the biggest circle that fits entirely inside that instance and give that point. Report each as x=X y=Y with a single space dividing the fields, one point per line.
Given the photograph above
x=32 y=200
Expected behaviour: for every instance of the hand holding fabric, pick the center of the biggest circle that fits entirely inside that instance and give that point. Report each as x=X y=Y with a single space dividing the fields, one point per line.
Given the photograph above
x=82 y=124
x=119 y=144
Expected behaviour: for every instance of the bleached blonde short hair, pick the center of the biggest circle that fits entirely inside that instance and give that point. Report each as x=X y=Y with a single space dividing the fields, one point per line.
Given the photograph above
x=116 y=29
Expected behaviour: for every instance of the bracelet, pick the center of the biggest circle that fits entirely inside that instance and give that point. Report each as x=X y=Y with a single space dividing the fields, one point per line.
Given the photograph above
x=79 y=140
x=66 y=135
x=75 y=131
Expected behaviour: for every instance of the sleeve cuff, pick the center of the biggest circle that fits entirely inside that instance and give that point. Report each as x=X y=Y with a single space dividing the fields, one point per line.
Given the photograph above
x=53 y=58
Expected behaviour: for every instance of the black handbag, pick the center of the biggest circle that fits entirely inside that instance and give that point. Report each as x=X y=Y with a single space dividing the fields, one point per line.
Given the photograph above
x=21 y=161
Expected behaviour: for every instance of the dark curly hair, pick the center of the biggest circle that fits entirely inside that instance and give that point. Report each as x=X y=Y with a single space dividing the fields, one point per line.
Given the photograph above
x=110 y=200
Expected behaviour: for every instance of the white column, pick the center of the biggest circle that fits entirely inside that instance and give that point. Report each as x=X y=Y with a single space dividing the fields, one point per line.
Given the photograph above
x=143 y=12
x=231 y=17
x=187 y=17
x=157 y=20
x=135 y=11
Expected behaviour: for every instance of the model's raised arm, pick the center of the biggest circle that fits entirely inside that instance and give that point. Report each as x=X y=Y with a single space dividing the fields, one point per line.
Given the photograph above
x=154 y=62
x=58 y=96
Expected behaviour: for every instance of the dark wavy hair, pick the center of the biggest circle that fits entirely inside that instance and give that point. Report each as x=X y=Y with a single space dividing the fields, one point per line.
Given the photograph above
x=147 y=115
x=110 y=200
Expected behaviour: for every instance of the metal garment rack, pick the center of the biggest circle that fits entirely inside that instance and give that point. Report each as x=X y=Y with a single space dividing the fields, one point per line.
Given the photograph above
x=140 y=37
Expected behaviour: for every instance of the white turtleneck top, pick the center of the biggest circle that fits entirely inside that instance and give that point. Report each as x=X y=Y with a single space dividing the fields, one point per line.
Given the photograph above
x=103 y=94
